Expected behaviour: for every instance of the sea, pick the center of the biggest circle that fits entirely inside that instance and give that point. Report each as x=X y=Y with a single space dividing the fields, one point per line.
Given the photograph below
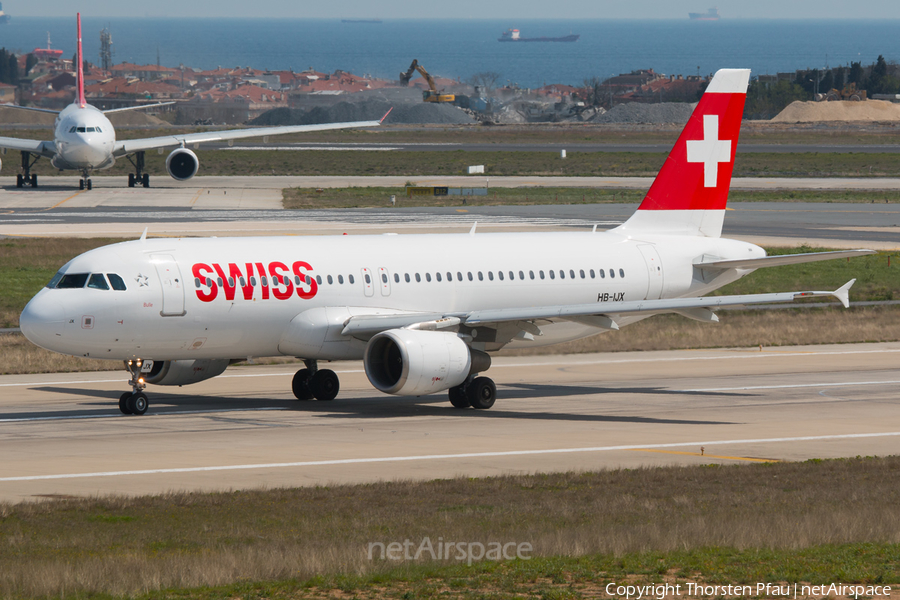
x=461 y=48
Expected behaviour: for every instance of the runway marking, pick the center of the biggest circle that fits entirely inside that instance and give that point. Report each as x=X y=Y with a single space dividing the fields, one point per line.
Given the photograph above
x=789 y=386
x=762 y=460
x=117 y=415
x=196 y=197
x=428 y=457
x=61 y=202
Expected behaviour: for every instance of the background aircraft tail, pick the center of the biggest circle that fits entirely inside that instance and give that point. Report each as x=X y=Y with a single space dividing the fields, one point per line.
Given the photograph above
x=81 y=101
x=690 y=192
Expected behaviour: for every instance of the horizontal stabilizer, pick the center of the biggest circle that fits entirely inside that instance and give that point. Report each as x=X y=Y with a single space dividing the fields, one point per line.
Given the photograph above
x=778 y=261
x=138 y=107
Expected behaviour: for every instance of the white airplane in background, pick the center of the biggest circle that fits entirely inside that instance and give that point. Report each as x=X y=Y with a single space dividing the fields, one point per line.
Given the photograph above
x=421 y=311
x=85 y=140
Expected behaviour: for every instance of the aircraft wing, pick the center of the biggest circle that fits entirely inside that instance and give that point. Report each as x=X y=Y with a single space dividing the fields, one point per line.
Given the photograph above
x=43 y=148
x=124 y=147
x=32 y=108
x=600 y=314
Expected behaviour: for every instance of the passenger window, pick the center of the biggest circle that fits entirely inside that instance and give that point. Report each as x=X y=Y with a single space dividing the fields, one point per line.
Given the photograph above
x=438 y=275
x=243 y=281
x=530 y=274
x=350 y=279
x=541 y=273
x=458 y=276
x=512 y=275
x=330 y=280
x=602 y=274
x=98 y=282
x=118 y=283
x=428 y=277
x=253 y=281
x=383 y=278
x=450 y=276
x=418 y=278
x=368 y=279
x=500 y=275
x=406 y=277
x=612 y=273
x=396 y=278
x=341 y=278
x=480 y=276
x=491 y=275
x=562 y=274
x=593 y=276
x=572 y=274
x=553 y=274
x=197 y=282
x=231 y=282
x=265 y=281
x=470 y=275
x=219 y=281
x=621 y=272
x=72 y=281
x=319 y=279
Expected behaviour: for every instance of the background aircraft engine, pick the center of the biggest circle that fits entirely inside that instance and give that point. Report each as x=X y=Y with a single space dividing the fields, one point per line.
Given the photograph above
x=409 y=362
x=182 y=164
x=183 y=372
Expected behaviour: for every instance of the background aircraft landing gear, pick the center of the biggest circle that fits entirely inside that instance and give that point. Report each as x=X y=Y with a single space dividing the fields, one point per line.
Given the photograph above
x=27 y=177
x=134 y=402
x=479 y=393
x=312 y=382
x=138 y=177
x=85 y=182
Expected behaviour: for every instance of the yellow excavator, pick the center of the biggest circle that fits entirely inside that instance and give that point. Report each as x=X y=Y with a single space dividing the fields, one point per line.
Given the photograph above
x=431 y=94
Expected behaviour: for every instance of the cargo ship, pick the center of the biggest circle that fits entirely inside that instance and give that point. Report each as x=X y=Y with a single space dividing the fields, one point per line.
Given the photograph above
x=4 y=18
x=710 y=15
x=512 y=35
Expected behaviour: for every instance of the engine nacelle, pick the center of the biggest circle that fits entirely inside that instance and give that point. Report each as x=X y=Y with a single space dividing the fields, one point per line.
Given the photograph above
x=412 y=362
x=182 y=164
x=183 y=372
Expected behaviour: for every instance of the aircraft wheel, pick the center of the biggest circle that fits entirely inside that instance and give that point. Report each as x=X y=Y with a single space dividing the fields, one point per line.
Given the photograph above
x=145 y=180
x=19 y=180
x=131 y=180
x=81 y=184
x=123 y=403
x=300 y=385
x=325 y=385
x=90 y=185
x=34 y=180
x=482 y=393
x=137 y=403
x=458 y=397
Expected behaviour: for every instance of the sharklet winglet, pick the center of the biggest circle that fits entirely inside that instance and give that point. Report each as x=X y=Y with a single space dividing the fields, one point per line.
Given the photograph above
x=843 y=293
x=144 y=235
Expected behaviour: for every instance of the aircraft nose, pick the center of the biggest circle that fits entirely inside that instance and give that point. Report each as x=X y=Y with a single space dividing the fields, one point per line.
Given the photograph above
x=83 y=152
x=43 y=320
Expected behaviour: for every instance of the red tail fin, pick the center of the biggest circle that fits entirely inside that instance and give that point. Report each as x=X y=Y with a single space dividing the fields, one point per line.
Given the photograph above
x=690 y=192
x=80 y=58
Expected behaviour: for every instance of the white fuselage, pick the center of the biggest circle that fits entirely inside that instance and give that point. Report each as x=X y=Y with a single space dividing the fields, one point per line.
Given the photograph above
x=84 y=139
x=229 y=298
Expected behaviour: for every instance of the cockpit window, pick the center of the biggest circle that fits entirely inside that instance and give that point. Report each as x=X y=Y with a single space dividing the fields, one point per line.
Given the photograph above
x=98 y=282
x=72 y=281
x=98 y=130
x=55 y=280
x=80 y=129
x=72 y=130
x=90 y=129
x=117 y=282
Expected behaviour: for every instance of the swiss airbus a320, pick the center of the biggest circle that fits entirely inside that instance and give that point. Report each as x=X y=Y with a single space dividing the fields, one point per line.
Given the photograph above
x=84 y=140
x=422 y=312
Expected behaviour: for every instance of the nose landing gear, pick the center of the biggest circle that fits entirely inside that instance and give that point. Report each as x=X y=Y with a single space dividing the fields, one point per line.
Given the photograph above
x=85 y=181
x=134 y=402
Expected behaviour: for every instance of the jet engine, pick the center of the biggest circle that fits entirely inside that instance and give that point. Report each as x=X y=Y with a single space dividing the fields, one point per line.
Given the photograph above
x=411 y=362
x=182 y=164
x=183 y=372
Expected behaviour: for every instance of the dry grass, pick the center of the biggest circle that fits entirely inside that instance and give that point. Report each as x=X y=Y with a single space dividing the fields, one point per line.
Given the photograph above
x=801 y=326
x=18 y=356
x=132 y=545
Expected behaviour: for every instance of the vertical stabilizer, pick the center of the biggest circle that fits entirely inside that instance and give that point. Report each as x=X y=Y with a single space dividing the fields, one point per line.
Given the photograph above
x=690 y=192
x=80 y=57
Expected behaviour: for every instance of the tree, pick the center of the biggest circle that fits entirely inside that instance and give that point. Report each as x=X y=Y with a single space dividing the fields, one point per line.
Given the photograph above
x=856 y=75
x=30 y=61
x=593 y=91
x=764 y=102
x=877 y=76
x=486 y=80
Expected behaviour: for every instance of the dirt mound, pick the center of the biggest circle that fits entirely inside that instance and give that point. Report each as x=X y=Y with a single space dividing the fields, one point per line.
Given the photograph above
x=15 y=116
x=369 y=110
x=635 y=112
x=135 y=118
x=844 y=110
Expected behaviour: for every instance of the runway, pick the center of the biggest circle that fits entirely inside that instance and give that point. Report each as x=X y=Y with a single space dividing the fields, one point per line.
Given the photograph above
x=63 y=435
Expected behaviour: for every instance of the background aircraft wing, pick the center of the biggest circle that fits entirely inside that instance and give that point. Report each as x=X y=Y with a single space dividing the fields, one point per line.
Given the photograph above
x=43 y=110
x=139 y=107
x=43 y=148
x=124 y=147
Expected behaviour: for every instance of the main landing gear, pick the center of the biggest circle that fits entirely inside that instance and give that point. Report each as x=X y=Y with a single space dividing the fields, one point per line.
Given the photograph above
x=26 y=177
x=134 y=402
x=477 y=392
x=85 y=181
x=312 y=382
x=138 y=177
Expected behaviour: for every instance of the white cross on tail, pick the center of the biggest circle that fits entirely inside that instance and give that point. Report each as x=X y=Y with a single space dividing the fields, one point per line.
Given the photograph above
x=710 y=150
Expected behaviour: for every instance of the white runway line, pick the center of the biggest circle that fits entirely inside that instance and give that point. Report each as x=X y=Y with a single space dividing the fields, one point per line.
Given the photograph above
x=427 y=457
x=789 y=386
x=118 y=415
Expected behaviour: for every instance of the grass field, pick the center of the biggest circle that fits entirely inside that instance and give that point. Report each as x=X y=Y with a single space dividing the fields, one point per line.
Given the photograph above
x=379 y=197
x=816 y=522
x=417 y=164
